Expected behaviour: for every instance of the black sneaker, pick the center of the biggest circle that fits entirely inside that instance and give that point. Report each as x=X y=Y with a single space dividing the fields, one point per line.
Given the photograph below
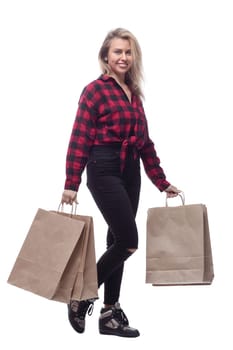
x=113 y=321
x=77 y=311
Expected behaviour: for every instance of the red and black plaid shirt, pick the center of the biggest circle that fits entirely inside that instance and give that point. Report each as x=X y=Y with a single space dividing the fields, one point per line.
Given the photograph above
x=105 y=116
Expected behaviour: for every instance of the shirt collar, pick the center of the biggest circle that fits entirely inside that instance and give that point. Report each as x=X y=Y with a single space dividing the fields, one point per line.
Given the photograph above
x=105 y=77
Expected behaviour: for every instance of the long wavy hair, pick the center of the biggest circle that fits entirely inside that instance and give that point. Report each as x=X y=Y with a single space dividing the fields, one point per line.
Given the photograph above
x=134 y=76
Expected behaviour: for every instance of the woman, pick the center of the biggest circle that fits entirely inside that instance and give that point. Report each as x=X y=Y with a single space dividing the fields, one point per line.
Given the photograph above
x=109 y=138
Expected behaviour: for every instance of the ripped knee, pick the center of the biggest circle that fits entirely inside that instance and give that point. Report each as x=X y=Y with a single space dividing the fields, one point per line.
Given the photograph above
x=131 y=250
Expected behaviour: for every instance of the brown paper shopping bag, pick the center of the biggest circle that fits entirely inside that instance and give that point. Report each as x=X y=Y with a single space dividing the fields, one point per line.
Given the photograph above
x=178 y=248
x=57 y=259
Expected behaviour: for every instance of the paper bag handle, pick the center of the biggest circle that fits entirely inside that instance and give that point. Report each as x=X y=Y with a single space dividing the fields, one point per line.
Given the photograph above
x=73 y=208
x=182 y=197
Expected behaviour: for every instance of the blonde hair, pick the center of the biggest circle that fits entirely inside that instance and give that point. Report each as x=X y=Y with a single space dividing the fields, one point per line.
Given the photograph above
x=134 y=76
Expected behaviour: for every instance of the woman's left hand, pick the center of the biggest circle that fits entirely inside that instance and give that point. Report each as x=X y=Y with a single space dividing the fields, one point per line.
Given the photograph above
x=172 y=191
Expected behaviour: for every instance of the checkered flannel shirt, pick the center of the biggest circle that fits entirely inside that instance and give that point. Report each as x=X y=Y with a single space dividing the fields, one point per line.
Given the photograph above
x=104 y=116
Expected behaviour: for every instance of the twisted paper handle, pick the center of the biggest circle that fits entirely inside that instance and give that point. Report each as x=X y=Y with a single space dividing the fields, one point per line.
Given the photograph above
x=73 y=208
x=182 y=197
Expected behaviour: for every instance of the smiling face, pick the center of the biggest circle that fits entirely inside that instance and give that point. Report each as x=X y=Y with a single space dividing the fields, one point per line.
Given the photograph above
x=120 y=57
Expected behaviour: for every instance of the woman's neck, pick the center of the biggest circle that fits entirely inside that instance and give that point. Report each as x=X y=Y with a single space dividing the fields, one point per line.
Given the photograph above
x=119 y=79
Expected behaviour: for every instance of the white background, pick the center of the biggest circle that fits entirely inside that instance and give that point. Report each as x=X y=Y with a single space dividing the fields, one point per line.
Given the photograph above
x=48 y=53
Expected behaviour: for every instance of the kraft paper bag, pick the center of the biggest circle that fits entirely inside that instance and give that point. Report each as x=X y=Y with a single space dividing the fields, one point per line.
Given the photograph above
x=178 y=247
x=57 y=259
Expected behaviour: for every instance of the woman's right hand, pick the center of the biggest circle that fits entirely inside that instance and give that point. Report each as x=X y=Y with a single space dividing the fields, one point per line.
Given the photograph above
x=68 y=197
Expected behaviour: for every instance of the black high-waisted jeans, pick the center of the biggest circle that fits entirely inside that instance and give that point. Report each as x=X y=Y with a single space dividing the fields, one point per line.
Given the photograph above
x=116 y=195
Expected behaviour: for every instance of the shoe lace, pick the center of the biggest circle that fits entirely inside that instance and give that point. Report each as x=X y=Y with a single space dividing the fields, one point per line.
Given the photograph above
x=90 y=309
x=121 y=316
x=85 y=307
x=80 y=308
